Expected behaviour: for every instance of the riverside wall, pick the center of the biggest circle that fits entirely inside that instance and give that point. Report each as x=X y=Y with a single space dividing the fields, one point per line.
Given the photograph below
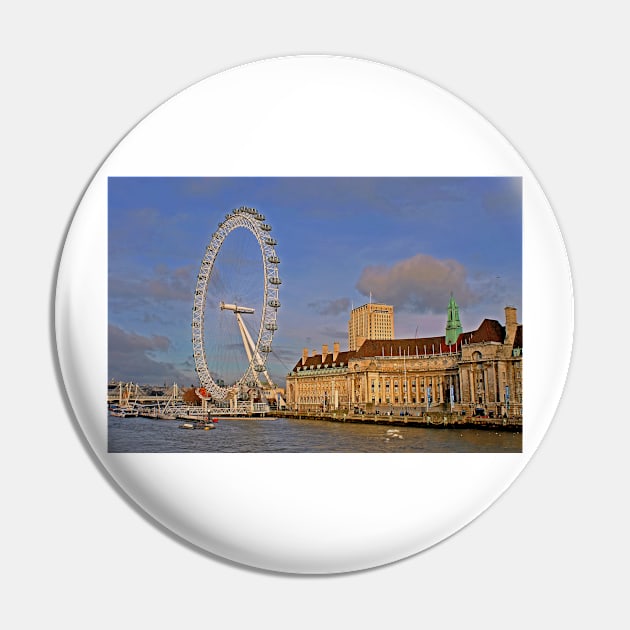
x=433 y=420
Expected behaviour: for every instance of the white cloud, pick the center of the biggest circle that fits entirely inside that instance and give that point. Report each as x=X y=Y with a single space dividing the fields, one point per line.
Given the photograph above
x=421 y=283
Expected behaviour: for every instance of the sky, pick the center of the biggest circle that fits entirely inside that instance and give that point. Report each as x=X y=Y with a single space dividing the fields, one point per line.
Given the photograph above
x=409 y=242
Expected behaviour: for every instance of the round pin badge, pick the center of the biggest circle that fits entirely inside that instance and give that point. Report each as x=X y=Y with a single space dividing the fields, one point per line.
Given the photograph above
x=302 y=314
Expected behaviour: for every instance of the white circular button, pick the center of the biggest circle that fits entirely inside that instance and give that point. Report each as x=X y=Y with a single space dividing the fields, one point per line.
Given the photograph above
x=377 y=187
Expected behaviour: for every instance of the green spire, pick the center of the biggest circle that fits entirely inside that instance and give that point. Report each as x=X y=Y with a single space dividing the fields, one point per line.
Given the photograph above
x=453 y=325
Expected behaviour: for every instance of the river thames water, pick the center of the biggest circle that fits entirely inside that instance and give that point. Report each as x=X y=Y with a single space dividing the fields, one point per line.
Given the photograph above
x=281 y=435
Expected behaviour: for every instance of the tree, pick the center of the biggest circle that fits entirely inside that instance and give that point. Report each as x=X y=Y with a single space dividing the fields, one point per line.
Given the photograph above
x=190 y=397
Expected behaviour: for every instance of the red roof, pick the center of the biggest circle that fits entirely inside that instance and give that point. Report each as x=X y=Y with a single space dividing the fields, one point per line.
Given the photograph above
x=489 y=330
x=314 y=361
x=402 y=347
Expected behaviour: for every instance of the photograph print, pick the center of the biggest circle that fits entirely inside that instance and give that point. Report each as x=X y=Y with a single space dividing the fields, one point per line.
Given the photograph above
x=315 y=315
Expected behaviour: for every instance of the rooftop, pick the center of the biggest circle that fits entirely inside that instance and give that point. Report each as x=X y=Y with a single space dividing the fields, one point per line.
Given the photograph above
x=490 y=330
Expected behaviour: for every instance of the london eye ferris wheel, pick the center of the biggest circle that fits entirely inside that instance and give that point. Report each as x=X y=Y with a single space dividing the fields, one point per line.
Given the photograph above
x=235 y=306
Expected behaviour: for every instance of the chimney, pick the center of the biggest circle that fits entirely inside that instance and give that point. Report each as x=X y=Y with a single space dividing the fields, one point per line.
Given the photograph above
x=324 y=352
x=510 y=325
x=335 y=350
x=304 y=355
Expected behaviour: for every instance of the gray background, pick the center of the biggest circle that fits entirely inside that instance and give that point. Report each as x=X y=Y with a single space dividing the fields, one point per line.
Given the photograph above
x=552 y=77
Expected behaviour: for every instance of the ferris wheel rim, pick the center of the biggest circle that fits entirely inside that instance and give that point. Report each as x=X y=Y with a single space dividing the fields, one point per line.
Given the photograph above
x=254 y=222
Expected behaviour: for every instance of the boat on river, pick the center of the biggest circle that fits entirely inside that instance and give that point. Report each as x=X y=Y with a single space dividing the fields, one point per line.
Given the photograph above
x=123 y=412
x=165 y=416
x=205 y=426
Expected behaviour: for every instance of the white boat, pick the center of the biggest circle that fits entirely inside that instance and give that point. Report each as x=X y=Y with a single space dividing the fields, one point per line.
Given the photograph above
x=123 y=412
x=166 y=416
x=205 y=426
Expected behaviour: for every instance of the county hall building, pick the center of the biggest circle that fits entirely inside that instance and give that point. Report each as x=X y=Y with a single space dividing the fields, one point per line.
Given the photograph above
x=477 y=372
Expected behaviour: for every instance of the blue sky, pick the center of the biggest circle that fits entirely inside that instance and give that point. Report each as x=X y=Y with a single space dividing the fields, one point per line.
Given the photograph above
x=408 y=241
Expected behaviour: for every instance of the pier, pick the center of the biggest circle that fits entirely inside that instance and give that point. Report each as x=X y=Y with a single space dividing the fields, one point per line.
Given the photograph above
x=426 y=420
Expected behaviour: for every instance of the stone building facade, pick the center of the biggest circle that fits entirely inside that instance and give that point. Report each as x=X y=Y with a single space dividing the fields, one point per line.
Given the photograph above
x=479 y=373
